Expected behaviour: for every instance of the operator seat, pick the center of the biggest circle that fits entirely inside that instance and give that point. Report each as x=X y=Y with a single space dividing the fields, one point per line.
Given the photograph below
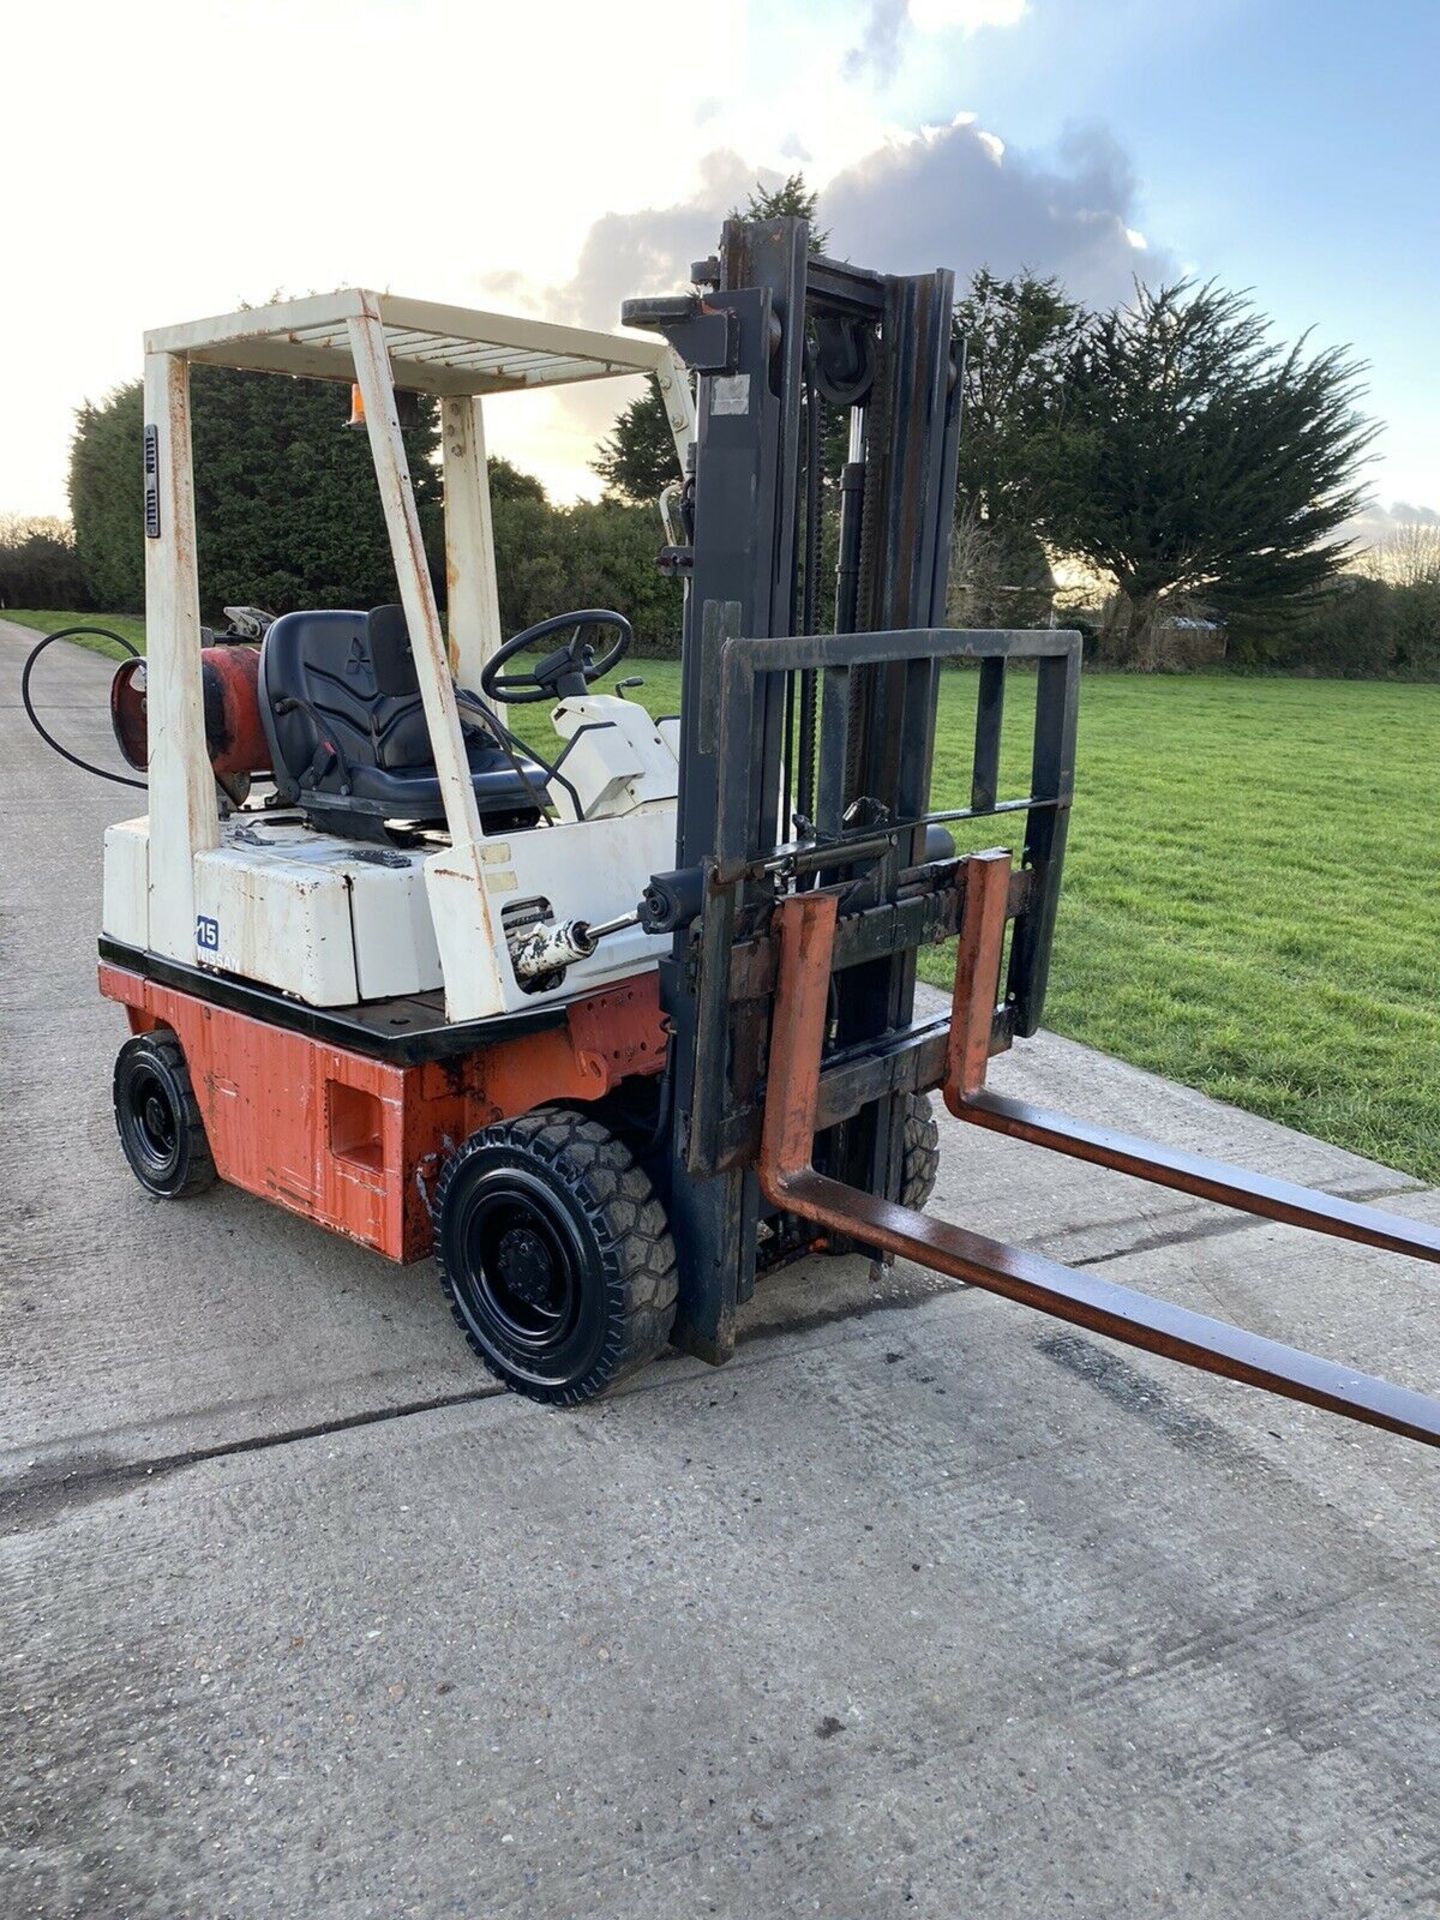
x=341 y=708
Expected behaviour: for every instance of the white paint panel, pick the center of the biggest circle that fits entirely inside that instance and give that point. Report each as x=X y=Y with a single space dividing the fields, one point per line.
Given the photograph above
x=629 y=353
x=285 y=923
x=619 y=760
x=466 y=933
x=125 y=909
x=395 y=948
x=315 y=915
x=590 y=870
x=318 y=917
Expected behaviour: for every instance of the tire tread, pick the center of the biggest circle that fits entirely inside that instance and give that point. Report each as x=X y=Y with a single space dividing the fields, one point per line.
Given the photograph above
x=921 y=1153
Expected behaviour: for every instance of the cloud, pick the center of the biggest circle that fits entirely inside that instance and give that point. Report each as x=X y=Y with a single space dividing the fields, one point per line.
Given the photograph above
x=936 y=16
x=1375 y=524
x=650 y=251
x=1402 y=513
x=511 y=290
x=946 y=197
x=625 y=255
x=954 y=196
x=949 y=196
x=878 y=54
x=877 y=57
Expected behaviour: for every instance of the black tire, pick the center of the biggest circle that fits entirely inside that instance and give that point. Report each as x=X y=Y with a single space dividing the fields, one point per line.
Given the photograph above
x=922 y=1153
x=158 y=1118
x=554 y=1254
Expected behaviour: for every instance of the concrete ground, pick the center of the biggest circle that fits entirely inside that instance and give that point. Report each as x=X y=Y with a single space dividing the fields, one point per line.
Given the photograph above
x=924 y=1606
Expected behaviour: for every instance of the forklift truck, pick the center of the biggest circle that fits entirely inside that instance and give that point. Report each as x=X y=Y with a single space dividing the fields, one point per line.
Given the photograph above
x=618 y=1031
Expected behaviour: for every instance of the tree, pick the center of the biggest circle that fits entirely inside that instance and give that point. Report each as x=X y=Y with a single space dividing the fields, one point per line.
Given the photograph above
x=1020 y=335
x=637 y=460
x=38 y=563
x=107 y=499
x=792 y=197
x=529 y=563
x=286 y=507
x=1196 y=461
x=609 y=552
x=508 y=482
x=1408 y=556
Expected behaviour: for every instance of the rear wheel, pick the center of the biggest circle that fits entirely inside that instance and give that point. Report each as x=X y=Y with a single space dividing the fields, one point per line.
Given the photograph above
x=555 y=1255
x=158 y=1118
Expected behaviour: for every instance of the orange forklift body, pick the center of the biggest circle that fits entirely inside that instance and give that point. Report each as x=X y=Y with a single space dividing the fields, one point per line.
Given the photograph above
x=354 y=1142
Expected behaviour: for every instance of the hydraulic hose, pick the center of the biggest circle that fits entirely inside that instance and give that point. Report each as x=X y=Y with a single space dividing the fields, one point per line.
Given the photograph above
x=85 y=766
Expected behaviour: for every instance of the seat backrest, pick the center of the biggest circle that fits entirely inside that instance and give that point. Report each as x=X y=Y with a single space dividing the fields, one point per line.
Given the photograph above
x=319 y=681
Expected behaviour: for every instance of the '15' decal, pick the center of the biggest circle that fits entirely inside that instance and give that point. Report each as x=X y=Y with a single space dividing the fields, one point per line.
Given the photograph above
x=207 y=933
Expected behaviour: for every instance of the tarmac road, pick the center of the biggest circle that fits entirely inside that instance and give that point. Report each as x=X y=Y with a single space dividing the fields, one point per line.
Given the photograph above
x=924 y=1607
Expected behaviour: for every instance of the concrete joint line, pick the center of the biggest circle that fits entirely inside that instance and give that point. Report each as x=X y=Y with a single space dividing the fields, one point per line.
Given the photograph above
x=25 y=1503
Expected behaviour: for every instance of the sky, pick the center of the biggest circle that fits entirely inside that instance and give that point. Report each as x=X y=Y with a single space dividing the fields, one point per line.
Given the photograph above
x=174 y=159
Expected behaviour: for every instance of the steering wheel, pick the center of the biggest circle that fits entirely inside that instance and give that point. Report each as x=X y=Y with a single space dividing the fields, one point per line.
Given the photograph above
x=564 y=673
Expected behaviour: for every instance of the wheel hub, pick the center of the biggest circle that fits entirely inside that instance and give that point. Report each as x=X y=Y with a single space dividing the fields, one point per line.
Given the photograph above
x=156 y=1121
x=526 y=1267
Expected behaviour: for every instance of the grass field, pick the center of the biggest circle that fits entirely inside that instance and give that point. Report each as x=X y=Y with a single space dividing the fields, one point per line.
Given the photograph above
x=1252 y=895
x=128 y=625
x=1252 y=899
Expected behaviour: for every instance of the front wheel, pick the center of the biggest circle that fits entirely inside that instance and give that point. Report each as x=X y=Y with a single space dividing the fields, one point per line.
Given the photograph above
x=555 y=1254
x=921 y=1161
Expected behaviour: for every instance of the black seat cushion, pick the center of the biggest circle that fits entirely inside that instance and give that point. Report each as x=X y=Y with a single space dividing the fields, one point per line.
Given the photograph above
x=350 y=737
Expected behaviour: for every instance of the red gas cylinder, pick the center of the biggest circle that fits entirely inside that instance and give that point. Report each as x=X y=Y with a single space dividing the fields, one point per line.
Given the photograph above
x=234 y=735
